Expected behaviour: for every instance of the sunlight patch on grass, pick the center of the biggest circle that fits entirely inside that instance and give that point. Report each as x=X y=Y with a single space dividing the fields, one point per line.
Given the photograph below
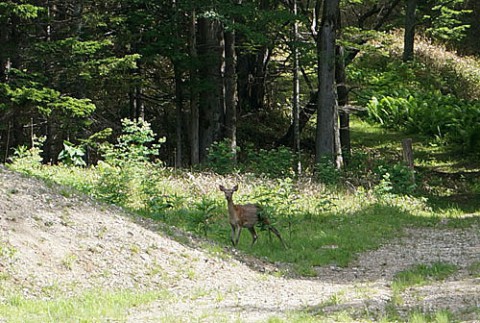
x=421 y=275
x=92 y=306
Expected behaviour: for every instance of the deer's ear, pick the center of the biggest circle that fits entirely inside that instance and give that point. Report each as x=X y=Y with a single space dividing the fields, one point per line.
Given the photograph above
x=221 y=188
x=235 y=188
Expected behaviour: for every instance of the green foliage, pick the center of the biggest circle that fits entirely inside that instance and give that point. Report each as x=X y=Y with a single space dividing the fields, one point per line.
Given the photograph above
x=422 y=274
x=134 y=145
x=29 y=160
x=442 y=316
x=7 y=252
x=397 y=179
x=90 y=306
x=47 y=100
x=415 y=104
x=273 y=163
x=221 y=157
x=444 y=19
x=326 y=172
x=126 y=161
x=203 y=213
x=20 y=10
x=280 y=203
x=72 y=155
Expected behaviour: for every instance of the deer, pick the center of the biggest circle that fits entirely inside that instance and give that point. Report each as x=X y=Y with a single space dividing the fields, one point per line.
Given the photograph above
x=246 y=216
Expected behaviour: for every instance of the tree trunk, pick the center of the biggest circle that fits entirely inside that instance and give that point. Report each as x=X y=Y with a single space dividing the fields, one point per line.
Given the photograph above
x=327 y=138
x=311 y=107
x=4 y=56
x=211 y=96
x=296 y=93
x=179 y=116
x=409 y=36
x=252 y=72
x=342 y=91
x=194 y=113
x=231 y=95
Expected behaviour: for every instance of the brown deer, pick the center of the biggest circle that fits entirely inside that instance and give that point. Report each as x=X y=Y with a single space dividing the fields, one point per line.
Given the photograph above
x=245 y=216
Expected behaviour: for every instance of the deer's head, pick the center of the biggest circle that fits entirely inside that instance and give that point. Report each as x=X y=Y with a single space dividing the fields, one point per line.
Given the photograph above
x=228 y=192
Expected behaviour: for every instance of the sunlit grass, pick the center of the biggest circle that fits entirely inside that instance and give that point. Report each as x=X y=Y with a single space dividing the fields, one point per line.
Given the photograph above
x=92 y=306
x=320 y=226
x=422 y=274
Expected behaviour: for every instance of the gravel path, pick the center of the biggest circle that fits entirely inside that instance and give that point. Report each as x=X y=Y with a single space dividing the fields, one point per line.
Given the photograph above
x=61 y=244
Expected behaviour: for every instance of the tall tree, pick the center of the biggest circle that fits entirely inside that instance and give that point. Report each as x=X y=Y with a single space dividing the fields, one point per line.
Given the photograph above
x=409 y=35
x=211 y=101
x=231 y=89
x=194 y=99
x=296 y=90
x=327 y=138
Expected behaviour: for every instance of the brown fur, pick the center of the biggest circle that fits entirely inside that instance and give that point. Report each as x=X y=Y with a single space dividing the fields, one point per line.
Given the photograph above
x=244 y=216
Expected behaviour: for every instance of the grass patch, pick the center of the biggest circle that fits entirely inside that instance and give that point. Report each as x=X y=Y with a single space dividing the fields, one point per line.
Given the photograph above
x=334 y=238
x=474 y=269
x=92 y=306
x=437 y=317
x=421 y=275
x=320 y=226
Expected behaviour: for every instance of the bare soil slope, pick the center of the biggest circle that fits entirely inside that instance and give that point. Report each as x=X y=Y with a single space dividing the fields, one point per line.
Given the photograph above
x=53 y=242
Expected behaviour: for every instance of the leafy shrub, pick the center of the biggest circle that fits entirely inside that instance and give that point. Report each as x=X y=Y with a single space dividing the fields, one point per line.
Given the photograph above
x=221 y=157
x=397 y=178
x=205 y=209
x=26 y=159
x=135 y=145
x=127 y=162
x=273 y=163
x=280 y=202
x=326 y=172
x=72 y=155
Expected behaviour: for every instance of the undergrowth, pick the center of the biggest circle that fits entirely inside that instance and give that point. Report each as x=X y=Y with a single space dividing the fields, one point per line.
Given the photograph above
x=322 y=224
x=435 y=95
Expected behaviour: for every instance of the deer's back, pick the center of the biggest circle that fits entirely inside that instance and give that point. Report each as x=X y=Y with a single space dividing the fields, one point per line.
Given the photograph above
x=247 y=215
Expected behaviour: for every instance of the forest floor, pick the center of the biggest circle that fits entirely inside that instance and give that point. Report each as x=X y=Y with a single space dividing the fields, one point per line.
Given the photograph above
x=62 y=243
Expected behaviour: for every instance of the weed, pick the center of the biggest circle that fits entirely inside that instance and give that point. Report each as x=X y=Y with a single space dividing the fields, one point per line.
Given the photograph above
x=72 y=155
x=437 y=317
x=69 y=261
x=101 y=232
x=135 y=249
x=198 y=293
x=7 y=251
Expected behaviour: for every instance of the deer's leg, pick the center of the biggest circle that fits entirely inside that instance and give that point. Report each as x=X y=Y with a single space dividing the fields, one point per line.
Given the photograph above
x=254 y=235
x=233 y=234
x=275 y=231
x=239 y=231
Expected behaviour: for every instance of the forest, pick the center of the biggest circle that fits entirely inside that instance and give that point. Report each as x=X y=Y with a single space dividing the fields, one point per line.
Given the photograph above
x=206 y=72
x=351 y=128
